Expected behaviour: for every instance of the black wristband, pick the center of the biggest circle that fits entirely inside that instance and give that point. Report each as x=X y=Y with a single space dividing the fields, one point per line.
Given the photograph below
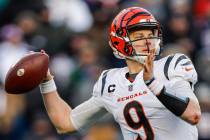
x=176 y=105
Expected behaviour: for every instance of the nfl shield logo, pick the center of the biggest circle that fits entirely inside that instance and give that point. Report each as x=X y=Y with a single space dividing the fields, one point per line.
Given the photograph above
x=130 y=88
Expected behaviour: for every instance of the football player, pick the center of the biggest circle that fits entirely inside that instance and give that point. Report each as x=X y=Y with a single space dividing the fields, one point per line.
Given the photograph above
x=150 y=99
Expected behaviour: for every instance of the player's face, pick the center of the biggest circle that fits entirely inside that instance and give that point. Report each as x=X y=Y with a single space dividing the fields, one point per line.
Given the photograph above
x=143 y=41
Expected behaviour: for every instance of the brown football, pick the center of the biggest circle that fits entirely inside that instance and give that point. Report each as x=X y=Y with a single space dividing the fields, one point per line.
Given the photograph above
x=27 y=73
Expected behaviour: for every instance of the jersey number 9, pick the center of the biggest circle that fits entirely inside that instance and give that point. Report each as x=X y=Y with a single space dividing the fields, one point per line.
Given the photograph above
x=135 y=118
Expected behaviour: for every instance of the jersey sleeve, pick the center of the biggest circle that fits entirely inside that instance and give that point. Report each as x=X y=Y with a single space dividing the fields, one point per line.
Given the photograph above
x=182 y=67
x=86 y=113
x=182 y=77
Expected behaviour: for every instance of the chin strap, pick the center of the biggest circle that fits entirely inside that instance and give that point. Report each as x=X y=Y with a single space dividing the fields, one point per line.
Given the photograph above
x=140 y=59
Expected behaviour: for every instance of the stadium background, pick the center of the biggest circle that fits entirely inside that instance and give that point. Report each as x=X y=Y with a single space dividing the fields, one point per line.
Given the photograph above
x=75 y=35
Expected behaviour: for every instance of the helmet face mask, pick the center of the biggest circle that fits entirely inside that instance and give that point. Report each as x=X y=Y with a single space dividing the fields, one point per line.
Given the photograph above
x=131 y=20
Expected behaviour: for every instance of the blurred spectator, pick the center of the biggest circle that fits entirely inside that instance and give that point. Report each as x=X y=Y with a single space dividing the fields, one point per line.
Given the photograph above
x=204 y=127
x=66 y=67
x=41 y=129
x=40 y=33
x=202 y=91
x=73 y=13
x=28 y=22
x=177 y=27
x=184 y=45
x=11 y=49
x=203 y=66
x=84 y=76
x=156 y=7
x=181 y=7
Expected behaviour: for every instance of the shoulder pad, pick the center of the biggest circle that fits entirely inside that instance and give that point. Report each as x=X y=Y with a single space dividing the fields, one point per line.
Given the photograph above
x=99 y=85
x=182 y=66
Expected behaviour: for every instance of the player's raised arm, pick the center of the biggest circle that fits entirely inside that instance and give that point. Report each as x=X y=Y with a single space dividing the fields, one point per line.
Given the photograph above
x=180 y=98
x=182 y=80
x=58 y=110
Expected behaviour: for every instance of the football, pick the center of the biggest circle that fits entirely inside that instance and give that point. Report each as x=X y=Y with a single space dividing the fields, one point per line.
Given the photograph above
x=27 y=73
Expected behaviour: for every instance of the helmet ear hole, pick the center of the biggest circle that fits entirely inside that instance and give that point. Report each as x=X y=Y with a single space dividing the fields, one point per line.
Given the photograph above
x=121 y=32
x=116 y=43
x=128 y=50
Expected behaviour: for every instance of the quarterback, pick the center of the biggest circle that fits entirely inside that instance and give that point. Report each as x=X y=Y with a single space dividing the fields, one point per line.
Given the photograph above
x=150 y=99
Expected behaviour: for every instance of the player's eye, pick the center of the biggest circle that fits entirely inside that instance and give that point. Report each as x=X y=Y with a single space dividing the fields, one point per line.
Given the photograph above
x=139 y=37
x=151 y=35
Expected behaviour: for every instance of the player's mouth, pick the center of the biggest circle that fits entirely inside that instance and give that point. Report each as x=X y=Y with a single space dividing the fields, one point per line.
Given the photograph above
x=145 y=50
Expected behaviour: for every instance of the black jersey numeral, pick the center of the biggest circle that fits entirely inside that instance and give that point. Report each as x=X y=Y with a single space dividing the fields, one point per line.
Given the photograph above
x=141 y=121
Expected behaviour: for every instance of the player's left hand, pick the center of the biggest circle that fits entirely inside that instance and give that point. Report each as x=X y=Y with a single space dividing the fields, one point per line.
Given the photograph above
x=148 y=66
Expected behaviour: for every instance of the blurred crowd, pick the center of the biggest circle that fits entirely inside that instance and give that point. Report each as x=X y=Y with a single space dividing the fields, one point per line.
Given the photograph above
x=75 y=35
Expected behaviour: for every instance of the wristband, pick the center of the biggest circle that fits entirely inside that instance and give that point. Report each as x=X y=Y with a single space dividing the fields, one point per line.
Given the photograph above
x=47 y=87
x=155 y=86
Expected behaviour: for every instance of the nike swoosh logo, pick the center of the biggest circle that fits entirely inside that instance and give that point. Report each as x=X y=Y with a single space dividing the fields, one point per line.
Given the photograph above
x=187 y=63
x=188 y=69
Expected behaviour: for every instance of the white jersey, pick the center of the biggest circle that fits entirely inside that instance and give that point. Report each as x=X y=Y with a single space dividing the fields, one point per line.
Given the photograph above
x=136 y=109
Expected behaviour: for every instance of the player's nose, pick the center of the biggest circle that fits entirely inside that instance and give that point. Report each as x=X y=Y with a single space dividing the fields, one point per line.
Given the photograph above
x=148 y=42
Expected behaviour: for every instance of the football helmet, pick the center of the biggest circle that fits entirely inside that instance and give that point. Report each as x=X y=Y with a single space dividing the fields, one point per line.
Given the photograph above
x=128 y=20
